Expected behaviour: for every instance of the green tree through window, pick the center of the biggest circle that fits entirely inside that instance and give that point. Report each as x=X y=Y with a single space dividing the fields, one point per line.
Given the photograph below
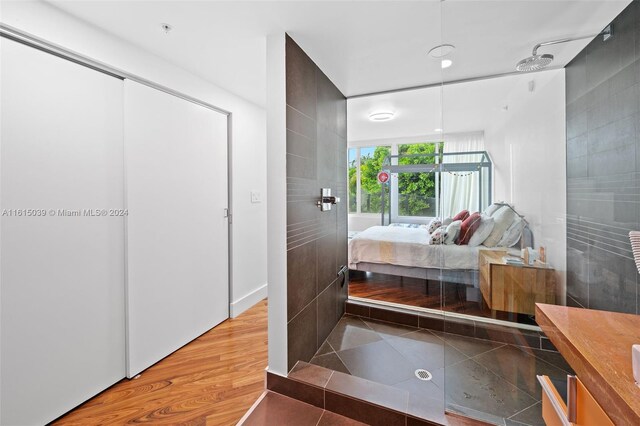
x=371 y=163
x=353 y=180
x=417 y=191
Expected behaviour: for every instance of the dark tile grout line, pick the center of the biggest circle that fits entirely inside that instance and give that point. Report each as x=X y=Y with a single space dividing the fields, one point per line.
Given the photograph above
x=405 y=414
x=531 y=333
x=341 y=360
x=433 y=332
x=466 y=357
x=521 y=411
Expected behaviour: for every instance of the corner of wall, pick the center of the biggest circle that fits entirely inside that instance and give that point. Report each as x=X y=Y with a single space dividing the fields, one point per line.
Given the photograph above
x=277 y=205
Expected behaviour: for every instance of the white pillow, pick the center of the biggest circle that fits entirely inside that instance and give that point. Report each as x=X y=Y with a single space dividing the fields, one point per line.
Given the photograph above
x=503 y=219
x=513 y=234
x=447 y=221
x=439 y=236
x=453 y=229
x=434 y=224
x=491 y=210
x=483 y=231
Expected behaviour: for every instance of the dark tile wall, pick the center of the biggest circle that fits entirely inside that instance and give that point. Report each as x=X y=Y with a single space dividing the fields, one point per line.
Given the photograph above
x=316 y=241
x=603 y=168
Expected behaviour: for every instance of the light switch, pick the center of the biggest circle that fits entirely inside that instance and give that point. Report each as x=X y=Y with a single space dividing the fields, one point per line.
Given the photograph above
x=255 y=197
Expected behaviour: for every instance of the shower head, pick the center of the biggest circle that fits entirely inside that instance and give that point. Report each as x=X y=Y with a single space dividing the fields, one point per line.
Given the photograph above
x=537 y=62
x=534 y=63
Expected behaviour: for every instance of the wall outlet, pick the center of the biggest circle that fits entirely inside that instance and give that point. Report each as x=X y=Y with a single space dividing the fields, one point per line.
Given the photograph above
x=256 y=197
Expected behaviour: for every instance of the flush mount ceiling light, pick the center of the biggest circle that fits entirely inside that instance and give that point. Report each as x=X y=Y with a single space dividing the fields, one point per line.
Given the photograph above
x=381 y=116
x=446 y=63
x=166 y=28
x=437 y=130
x=441 y=51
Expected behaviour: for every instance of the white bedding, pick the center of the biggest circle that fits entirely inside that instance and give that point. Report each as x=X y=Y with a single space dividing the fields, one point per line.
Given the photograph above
x=409 y=247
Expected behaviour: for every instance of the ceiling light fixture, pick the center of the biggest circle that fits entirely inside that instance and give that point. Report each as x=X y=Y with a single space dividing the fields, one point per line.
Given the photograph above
x=441 y=51
x=437 y=130
x=381 y=116
x=446 y=63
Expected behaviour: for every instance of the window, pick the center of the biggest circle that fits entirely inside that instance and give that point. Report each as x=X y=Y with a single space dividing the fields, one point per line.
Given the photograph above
x=416 y=192
x=352 y=164
x=365 y=194
x=371 y=163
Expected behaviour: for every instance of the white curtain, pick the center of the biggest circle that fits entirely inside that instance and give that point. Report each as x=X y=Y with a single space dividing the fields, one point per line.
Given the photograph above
x=460 y=190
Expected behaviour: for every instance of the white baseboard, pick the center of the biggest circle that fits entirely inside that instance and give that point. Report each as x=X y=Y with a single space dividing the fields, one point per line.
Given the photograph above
x=245 y=302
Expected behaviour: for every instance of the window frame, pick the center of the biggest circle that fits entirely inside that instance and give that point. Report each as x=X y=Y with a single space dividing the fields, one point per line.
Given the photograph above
x=394 y=144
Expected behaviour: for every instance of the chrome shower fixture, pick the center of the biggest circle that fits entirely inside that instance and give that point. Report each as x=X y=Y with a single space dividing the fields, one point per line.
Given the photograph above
x=537 y=62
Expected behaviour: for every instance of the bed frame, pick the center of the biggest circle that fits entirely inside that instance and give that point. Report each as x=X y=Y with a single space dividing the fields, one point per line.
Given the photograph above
x=469 y=277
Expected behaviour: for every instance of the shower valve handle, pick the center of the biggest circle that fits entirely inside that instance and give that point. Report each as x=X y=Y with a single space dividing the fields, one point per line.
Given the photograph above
x=326 y=200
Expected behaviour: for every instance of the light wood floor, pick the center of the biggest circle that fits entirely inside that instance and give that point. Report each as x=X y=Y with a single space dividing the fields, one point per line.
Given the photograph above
x=213 y=380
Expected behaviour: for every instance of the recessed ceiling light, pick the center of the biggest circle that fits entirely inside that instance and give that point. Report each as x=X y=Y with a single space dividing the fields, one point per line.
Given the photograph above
x=166 y=27
x=381 y=116
x=441 y=51
x=446 y=63
x=437 y=130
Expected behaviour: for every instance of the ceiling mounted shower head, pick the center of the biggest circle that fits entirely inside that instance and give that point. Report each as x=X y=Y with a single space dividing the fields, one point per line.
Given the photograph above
x=534 y=63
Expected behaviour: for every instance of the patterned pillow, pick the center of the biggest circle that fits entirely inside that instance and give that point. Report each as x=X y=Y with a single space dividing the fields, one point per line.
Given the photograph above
x=434 y=224
x=469 y=226
x=453 y=229
x=439 y=236
x=461 y=216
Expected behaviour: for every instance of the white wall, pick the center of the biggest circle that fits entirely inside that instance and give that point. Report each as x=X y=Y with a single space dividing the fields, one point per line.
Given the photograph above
x=527 y=144
x=248 y=152
x=277 y=209
x=360 y=222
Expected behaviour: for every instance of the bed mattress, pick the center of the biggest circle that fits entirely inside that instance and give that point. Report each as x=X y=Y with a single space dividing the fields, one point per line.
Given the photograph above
x=408 y=247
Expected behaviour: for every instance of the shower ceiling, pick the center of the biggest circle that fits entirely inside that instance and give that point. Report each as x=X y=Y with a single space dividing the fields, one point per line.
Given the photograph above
x=363 y=46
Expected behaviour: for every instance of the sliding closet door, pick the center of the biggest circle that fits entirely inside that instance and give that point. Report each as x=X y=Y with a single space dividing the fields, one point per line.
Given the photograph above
x=62 y=270
x=177 y=232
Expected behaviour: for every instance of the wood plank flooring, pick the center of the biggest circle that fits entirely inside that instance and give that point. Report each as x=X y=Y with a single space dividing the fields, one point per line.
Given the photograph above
x=412 y=292
x=416 y=292
x=213 y=380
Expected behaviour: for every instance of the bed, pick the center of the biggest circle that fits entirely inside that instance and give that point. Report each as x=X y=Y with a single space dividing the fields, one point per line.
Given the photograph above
x=405 y=251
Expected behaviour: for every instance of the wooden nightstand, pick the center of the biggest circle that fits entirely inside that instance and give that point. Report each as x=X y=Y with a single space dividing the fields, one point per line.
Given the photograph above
x=513 y=288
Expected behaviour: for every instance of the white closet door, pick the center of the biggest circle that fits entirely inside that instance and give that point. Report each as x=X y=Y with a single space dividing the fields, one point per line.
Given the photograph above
x=177 y=233
x=62 y=277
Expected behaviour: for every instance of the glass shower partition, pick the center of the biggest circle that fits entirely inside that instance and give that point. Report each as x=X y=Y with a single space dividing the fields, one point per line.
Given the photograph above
x=551 y=140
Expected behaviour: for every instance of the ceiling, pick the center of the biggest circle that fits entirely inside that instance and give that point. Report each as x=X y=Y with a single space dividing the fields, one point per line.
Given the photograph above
x=457 y=108
x=363 y=46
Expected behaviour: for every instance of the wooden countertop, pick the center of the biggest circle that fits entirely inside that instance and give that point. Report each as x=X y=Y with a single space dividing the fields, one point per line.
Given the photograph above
x=597 y=345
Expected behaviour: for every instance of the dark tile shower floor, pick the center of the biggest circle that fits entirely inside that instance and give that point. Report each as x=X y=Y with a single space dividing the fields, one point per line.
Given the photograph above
x=487 y=380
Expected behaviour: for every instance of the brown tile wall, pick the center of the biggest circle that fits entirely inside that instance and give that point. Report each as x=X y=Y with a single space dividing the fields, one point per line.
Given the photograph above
x=603 y=168
x=316 y=241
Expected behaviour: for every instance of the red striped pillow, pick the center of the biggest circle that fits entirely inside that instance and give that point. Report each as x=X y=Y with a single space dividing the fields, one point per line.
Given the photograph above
x=469 y=226
x=461 y=216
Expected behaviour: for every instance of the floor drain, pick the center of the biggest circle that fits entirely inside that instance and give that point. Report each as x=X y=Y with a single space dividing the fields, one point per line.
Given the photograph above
x=423 y=374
